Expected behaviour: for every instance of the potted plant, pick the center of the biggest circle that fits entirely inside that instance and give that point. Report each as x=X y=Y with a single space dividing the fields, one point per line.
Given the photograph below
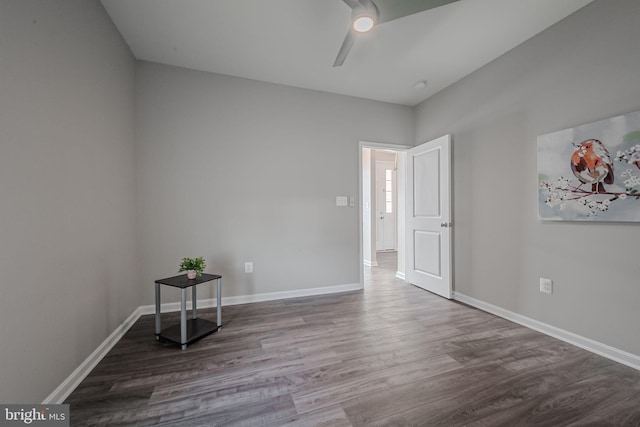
x=193 y=266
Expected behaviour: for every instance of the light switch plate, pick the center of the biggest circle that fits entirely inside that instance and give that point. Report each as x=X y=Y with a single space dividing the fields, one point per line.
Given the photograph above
x=341 y=200
x=546 y=285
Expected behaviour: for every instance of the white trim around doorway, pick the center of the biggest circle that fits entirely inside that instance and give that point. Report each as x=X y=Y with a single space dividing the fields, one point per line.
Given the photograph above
x=373 y=146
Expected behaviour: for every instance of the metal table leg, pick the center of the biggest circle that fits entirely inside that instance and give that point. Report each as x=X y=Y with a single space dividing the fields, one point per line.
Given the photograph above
x=219 y=301
x=183 y=318
x=193 y=301
x=158 y=321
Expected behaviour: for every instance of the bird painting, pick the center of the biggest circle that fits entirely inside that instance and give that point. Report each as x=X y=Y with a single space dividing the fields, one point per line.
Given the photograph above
x=591 y=163
x=597 y=179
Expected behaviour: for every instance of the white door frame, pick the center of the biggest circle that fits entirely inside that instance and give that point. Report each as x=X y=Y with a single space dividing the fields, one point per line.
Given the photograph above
x=373 y=146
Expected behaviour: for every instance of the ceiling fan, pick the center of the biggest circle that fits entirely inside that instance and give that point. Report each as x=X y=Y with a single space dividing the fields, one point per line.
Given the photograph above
x=366 y=14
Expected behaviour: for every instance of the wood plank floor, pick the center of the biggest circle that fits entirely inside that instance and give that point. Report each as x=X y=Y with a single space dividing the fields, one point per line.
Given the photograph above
x=392 y=355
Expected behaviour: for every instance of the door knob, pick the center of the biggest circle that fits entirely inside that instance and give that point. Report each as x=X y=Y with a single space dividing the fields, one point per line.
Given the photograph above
x=445 y=224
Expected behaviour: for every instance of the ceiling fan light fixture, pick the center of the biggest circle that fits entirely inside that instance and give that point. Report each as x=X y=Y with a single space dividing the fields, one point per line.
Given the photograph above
x=363 y=23
x=364 y=16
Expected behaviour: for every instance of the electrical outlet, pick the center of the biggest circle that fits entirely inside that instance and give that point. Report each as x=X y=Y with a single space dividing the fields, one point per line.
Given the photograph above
x=546 y=285
x=248 y=267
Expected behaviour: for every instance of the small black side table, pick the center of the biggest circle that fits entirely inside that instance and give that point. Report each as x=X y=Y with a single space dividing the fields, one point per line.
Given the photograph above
x=188 y=331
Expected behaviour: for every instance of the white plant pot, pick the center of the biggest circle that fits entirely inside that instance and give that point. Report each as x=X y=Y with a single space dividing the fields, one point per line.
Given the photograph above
x=191 y=274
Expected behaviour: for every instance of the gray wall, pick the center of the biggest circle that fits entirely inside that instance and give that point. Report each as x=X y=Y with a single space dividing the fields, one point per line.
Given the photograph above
x=237 y=170
x=67 y=185
x=583 y=69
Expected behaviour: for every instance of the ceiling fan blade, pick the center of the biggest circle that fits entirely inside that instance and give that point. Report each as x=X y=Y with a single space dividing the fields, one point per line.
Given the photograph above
x=347 y=44
x=388 y=10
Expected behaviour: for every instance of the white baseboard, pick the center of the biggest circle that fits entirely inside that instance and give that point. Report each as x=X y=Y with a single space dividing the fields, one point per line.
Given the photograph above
x=246 y=299
x=80 y=373
x=596 y=347
x=368 y=263
x=400 y=275
x=271 y=296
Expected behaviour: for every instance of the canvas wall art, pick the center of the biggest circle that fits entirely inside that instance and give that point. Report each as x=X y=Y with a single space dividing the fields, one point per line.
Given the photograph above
x=591 y=172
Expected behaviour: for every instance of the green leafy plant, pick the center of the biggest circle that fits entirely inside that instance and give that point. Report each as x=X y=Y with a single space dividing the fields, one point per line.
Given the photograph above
x=196 y=264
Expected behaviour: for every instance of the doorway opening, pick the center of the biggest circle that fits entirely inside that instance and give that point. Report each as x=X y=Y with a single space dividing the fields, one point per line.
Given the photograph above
x=382 y=201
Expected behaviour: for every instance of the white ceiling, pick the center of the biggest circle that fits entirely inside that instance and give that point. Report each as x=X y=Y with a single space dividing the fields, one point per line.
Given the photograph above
x=294 y=42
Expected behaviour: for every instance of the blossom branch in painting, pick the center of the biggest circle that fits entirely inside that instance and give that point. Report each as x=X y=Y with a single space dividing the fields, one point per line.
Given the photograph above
x=630 y=156
x=565 y=191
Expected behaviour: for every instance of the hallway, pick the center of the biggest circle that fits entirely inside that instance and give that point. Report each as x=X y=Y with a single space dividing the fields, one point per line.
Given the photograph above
x=385 y=271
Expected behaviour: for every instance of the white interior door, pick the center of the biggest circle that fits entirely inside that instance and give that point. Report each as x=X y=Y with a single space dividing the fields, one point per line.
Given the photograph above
x=428 y=216
x=385 y=206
